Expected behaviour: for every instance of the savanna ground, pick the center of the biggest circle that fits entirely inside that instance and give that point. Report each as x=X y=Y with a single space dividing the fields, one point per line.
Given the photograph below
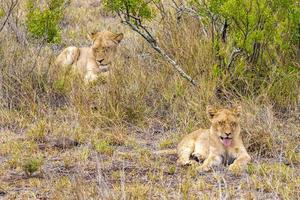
x=61 y=139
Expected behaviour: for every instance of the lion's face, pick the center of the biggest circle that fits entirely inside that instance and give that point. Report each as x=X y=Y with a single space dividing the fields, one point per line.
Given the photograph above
x=104 y=46
x=225 y=123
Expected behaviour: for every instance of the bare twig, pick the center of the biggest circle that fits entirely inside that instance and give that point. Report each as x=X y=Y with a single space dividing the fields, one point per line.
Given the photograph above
x=13 y=4
x=138 y=27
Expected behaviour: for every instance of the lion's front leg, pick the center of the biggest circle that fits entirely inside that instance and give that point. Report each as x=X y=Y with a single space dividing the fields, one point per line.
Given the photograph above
x=212 y=160
x=92 y=71
x=240 y=163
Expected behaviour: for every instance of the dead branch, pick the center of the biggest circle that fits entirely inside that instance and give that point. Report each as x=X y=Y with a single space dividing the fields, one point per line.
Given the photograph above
x=13 y=4
x=136 y=25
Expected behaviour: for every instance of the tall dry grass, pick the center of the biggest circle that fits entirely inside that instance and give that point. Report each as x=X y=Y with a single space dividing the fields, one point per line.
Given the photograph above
x=141 y=106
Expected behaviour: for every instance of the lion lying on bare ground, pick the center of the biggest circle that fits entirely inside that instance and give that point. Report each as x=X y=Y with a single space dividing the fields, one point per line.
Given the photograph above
x=91 y=61
x=221 y=143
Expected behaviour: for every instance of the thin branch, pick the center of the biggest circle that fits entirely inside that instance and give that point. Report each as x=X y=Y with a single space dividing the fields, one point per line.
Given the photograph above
x=11 y=8
x=150 y=39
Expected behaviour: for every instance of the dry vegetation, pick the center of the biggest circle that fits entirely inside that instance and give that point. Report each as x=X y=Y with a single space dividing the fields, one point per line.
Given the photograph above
x=60 y=139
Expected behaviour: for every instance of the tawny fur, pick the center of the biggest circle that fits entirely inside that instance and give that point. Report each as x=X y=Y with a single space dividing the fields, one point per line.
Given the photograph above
x=91 y=61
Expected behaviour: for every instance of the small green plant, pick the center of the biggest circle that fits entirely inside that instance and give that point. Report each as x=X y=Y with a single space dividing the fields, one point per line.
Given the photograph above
x=44 y=22
x=102 y=146
x=32 y=165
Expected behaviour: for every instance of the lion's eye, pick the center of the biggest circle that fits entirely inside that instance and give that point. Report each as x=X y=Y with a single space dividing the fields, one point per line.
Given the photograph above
x=221 y=122
x=233 y=124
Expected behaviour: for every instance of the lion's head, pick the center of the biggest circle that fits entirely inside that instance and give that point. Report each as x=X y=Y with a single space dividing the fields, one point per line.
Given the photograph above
x=225 y=123
x=104 y=45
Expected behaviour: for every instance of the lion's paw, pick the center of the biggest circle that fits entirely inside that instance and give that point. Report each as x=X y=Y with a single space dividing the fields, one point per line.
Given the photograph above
x=198 y=157
x=184 y=162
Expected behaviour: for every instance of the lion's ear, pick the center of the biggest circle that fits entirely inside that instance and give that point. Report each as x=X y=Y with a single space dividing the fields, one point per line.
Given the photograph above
x=237 y=110
x=211 y=112
x=119 y=37
x=92 y=36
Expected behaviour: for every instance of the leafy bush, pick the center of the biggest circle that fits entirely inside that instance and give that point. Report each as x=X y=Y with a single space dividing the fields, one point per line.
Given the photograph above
x=262 y=25
x=267 y=35
x=44 y=23
x=140 y=8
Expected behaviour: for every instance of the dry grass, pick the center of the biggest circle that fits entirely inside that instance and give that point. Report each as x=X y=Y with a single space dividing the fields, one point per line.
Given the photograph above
x=68 y=135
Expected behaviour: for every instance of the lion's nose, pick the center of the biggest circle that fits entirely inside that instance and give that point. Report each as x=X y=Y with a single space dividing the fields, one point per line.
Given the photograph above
x=227 y=134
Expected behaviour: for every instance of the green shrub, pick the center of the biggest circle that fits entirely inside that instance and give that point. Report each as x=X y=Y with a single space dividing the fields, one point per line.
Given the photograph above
x=140 y=8
x=267 y=34
x=32 y=165
x=44 y=22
